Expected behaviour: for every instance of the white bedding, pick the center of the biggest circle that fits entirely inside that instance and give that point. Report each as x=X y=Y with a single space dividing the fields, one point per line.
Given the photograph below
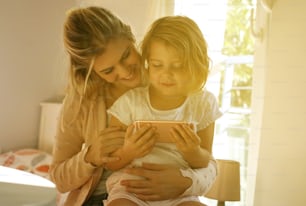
x=30 y=160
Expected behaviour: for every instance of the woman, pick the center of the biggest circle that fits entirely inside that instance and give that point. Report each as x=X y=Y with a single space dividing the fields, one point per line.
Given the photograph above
x=104 y=64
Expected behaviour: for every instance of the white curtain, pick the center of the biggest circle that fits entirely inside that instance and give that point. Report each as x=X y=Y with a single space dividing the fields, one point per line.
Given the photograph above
x=139 y=16
x=159 y=8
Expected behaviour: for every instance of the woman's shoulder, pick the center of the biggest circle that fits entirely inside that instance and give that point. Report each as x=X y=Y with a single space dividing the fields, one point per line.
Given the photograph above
x=76 y=107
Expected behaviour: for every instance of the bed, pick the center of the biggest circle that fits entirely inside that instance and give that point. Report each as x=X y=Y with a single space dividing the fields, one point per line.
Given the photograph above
x=37 y=160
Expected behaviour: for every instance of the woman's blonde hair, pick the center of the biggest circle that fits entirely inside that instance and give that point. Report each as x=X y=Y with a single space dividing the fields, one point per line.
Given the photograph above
x=184 y=35
x=87 y=31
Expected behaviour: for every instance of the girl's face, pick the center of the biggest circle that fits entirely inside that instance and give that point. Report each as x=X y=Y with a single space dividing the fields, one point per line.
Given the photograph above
x=166 y=73
x=119 y=64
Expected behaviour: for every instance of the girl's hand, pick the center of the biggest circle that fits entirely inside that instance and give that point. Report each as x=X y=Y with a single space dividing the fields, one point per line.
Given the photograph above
x=190 y=146
x=186 y=139
x=138 y=144
x=159 y=182
x=108 y=141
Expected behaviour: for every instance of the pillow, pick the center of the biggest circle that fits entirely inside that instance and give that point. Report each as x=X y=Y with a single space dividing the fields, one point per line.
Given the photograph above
x=30 y=160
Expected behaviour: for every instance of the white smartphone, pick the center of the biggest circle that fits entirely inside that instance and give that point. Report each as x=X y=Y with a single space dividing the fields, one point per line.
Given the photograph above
x=162 y=128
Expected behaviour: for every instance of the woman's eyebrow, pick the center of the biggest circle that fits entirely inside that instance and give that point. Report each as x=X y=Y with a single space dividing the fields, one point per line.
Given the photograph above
x=122 y=57
x=153 y=59
x=105 y=69
x=126 y=51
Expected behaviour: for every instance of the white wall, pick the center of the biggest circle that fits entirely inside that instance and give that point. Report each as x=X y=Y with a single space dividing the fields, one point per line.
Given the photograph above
x=132 y=12
x=277 y=148
x=31 y=65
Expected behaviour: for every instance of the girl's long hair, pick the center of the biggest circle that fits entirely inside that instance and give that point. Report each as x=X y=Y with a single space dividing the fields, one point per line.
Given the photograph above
x=184 y=35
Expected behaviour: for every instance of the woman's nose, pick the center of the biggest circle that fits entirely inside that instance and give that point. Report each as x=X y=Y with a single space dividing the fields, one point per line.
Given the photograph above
x=122 y=71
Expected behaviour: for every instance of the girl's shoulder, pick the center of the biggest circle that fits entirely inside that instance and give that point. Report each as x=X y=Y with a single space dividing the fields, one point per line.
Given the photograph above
x=138 y=92
x=205 y=107
x=203 y=96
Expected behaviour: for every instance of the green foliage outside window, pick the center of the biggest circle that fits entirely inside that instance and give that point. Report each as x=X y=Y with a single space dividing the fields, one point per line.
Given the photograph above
x=239 y=42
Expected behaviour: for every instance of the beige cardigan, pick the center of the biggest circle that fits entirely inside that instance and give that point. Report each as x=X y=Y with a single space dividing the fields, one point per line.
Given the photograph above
x=68 y=170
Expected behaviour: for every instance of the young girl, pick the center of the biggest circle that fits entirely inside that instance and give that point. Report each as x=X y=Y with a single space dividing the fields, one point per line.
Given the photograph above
x=175 y=55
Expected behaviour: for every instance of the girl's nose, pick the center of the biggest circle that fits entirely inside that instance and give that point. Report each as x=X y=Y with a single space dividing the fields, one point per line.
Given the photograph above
x=168 y=70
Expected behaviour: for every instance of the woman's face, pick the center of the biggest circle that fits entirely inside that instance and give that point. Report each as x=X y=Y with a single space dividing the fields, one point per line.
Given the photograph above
x=119 y=64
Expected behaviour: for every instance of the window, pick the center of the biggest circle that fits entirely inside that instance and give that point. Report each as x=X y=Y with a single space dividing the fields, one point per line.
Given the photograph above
x=225 y=25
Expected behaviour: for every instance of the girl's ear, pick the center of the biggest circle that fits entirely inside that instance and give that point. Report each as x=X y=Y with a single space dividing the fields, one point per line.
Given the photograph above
x=146 y=65
x=145 y=77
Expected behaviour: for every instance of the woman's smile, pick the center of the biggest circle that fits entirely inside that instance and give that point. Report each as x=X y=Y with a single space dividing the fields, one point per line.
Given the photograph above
x=131 y=74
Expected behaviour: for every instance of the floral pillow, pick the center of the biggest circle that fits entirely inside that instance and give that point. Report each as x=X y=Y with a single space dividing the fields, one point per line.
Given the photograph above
x=30 y=160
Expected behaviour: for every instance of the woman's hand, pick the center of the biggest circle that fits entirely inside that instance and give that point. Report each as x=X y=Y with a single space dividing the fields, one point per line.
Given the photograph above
x=108 y=141
x=159 y=182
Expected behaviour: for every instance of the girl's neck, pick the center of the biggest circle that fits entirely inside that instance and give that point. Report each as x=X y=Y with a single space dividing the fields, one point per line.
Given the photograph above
x=164 y=102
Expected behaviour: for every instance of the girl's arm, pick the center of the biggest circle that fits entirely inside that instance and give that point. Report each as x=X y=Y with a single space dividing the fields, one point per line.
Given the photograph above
x=195 y=147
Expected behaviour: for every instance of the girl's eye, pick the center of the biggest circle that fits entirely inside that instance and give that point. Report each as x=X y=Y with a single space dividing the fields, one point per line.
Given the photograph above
x=155 y=64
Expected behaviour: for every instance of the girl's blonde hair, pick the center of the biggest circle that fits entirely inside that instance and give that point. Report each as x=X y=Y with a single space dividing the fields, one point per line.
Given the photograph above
x=184 y=35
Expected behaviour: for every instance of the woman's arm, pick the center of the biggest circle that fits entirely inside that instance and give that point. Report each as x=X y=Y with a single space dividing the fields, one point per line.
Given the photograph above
x=159 y=182
x=177 y=182
x=72 y=165
x=68 y=153
x=202 y=178
x=162 y=182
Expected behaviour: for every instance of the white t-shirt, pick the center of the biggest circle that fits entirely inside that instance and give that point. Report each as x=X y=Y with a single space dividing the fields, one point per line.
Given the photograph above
x=200 y=108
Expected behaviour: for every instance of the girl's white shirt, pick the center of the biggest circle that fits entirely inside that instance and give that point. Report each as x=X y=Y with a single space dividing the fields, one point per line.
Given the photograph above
x=200 y=109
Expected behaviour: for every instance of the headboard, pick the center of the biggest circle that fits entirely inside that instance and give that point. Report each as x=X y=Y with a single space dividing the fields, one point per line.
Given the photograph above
x=50 y=112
